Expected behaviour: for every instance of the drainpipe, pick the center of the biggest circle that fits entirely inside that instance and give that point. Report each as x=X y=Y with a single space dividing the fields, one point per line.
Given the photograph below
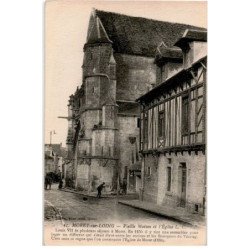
x=142 y=178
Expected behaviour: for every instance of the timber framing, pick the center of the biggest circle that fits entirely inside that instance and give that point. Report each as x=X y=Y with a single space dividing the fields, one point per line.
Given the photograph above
x=128 y=115
x=168 y=98
x=99 y=157
x=175 y=149
x=172 y=82
x=184 y=92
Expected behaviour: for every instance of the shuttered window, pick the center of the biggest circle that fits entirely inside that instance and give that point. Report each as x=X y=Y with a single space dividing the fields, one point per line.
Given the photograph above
x=185 y=115
x=146 y=128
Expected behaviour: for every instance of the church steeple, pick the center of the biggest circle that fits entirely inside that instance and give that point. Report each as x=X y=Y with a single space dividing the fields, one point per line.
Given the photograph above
x=97 y=32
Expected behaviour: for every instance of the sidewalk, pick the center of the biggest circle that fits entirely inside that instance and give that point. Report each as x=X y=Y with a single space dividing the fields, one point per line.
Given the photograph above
x=176 y=214
x=110 y=195
x=50 y=212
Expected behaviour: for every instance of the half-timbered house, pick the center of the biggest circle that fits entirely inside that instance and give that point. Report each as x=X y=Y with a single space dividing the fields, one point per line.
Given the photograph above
x=173 y=130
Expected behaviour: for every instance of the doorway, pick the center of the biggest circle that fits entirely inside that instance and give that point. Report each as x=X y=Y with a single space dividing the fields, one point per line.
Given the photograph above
x=183 y=184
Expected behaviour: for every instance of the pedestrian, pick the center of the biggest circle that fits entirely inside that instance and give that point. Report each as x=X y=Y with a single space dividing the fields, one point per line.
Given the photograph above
x=60 y=184
x=48 y=181
x=45 y=183
x=99 y=190
x=124 y=186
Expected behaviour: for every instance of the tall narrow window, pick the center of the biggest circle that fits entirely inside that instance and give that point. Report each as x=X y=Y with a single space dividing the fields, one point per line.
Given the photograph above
x=161 y=124
x=145 y=128
x=148 y=170
x=138 y=122
x=185 y=115
x=169 y=177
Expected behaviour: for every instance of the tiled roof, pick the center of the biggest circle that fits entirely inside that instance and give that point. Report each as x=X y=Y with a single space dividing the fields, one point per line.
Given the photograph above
x=137 y=35
x=58 y=149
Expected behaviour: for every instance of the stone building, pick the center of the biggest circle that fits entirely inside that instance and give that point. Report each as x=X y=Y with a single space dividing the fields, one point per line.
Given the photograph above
x=54 y=158
x=120 y=64
x=173 y=128
x=49 y=165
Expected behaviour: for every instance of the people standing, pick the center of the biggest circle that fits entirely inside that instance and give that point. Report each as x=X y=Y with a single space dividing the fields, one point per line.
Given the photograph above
x=48 y=181
x=60 y=184
x=99 y=190
x=124 y=186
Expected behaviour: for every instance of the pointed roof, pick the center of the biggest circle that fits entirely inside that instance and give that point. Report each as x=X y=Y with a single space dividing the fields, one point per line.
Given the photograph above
x=97 y=32
x=137 y=35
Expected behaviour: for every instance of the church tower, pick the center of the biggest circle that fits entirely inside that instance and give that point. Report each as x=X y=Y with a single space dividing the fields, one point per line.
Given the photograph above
x=96 y=160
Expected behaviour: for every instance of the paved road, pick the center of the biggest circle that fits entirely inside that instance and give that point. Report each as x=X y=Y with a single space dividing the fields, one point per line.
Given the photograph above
x=72 y=206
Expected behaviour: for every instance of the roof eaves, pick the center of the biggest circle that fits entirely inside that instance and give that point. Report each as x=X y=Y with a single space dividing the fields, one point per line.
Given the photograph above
x=198 y=61
x=191 y=35
x=168 y=54
x=171 y=79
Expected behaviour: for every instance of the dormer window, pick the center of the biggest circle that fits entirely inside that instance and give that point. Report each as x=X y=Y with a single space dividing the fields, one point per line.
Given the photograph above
x=193 y=44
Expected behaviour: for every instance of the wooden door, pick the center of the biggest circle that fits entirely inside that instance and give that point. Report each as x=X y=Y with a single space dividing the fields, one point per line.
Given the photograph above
x=183 y=187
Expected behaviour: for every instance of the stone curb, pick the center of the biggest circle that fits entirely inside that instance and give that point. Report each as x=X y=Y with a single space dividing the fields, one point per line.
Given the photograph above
x=85 y=195
x=94 y=196
x=167 y=216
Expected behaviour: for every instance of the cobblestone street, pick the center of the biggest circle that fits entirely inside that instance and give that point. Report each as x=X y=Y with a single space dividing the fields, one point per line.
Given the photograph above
x=71 y=206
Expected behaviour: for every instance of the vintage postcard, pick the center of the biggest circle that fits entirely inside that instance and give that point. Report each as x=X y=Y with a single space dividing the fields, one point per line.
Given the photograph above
x=125 y=123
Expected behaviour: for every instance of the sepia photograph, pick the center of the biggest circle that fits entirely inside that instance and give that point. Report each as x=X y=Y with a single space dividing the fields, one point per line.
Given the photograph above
x=125 y=123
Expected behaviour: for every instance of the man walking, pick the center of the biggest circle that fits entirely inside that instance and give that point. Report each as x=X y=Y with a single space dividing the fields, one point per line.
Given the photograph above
x=99 y=190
